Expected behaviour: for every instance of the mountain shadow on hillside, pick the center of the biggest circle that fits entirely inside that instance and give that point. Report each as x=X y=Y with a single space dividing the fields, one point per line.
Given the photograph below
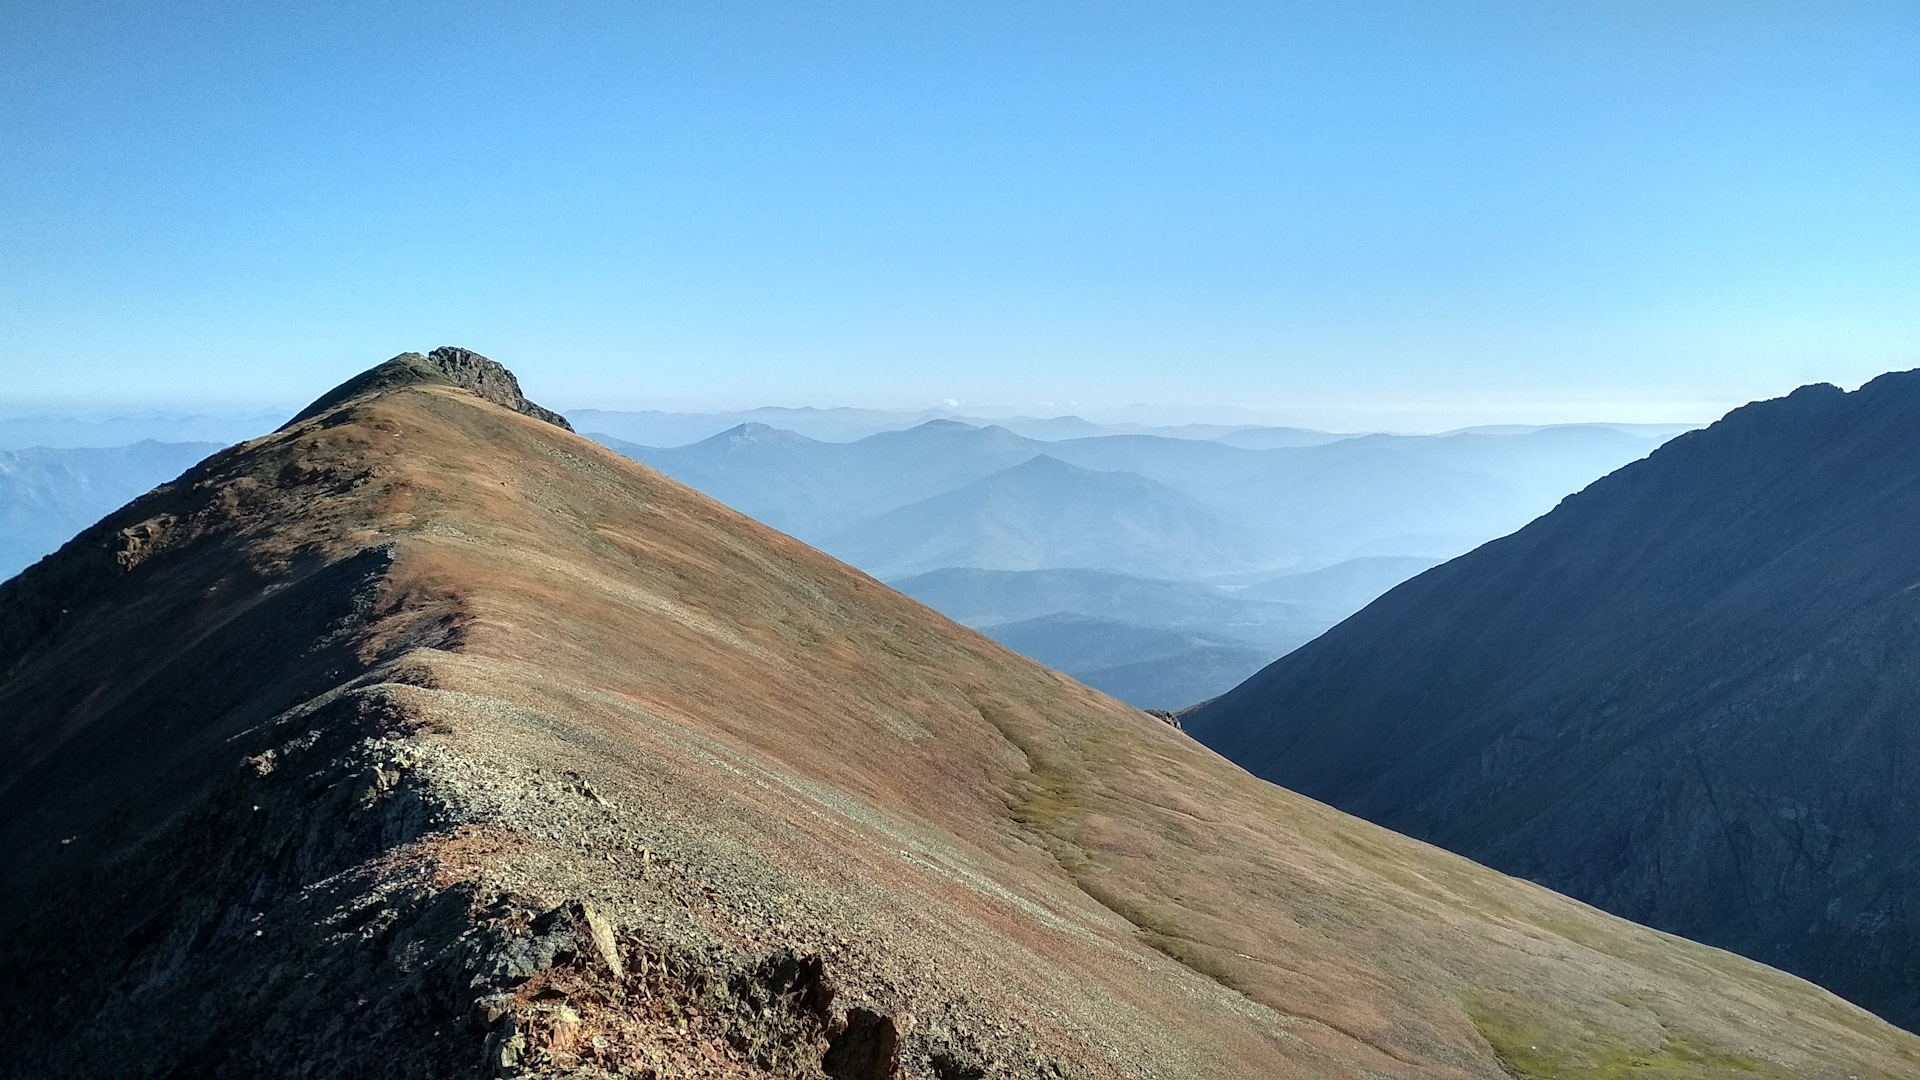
x=1689 y=695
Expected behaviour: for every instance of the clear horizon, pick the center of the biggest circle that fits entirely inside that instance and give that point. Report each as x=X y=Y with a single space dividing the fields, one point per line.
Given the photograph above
x=1426 y=417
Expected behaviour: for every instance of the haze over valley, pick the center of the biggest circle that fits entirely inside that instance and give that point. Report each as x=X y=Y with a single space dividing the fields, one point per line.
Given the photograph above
x=1283 y=531
x=1240 y=516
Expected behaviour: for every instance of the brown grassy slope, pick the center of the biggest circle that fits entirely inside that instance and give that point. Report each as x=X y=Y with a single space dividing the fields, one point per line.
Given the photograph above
x=569 y=679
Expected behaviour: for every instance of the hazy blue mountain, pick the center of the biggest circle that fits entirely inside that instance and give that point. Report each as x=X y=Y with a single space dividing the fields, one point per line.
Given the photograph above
x=950 y=494
x=795 y=484
x=64 y=432
x=672 y=429
x=47 y=495
x=1074 y=427
x=1146 y=667
x=1661 y=432
x=1153 y=644
x=1428 y=496
x=1275 y=438
x=1179 y=680
x=983 y=598
x=1343 y=588
x=1547 y=463
x=1690 y=694
x=814 y=489
x=1423 y=496
x=1046 y=514
x=1076 y=644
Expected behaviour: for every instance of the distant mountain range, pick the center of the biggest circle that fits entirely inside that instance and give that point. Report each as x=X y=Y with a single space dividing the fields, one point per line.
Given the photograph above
x=1147 y=667
x=1689 y=695
x=1341 y=589
x=48 y=495
x=655 y=428
x=1230 y=505
x=1430 y=496
x=1043 y=514
x=982 y=598
x=1153 y=644
x=102 y=431
x=1326 y=527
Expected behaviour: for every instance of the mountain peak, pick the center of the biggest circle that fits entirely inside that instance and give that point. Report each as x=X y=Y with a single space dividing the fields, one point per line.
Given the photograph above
x=755 y=432
x=1043 y=463
x=448 y=365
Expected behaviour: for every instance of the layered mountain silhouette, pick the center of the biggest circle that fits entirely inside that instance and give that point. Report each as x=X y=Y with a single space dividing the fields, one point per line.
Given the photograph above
x=1145 y=666
x=656 y=428
x=1689 y=695
x=981 y=598
x=1152 y=643
x=1277 y=508
x=947 y=494
x=424 y=738
x=1044 y=513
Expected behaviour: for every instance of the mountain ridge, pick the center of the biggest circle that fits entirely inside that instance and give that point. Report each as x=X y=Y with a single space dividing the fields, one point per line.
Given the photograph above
x=424 y=738
x=1681 y=695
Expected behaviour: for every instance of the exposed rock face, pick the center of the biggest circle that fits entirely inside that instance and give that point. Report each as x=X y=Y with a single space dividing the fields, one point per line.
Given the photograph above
x=1689 y=695
x=448 y=366
x=422 y=738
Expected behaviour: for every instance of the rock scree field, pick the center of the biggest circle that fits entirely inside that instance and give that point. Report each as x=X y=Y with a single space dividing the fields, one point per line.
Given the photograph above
x=424 y=738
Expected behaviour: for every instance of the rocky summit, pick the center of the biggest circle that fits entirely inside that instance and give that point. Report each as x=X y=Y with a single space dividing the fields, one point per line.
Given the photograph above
x=1689 y=695
x=447 y=366
x=423 y=738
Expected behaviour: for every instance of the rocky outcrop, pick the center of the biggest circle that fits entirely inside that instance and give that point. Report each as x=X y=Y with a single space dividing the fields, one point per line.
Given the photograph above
x=1689 y=695
x=445 y=366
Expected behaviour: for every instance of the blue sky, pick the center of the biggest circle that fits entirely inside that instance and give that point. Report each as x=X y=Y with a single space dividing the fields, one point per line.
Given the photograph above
x=1449 y=212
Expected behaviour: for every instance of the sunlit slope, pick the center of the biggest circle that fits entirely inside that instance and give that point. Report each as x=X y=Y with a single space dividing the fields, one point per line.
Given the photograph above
x=311 y=740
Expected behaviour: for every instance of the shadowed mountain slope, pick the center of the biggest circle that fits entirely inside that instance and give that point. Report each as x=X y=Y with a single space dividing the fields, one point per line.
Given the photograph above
x=423 y=738
x=1690 y=694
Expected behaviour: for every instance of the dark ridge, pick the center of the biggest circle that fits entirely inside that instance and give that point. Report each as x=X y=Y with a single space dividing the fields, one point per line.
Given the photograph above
x=1689 y=695
x=445 y=366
